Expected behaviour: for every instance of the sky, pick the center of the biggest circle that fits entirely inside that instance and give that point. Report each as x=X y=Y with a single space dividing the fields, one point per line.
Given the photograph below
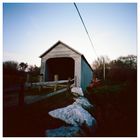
x=29 y=29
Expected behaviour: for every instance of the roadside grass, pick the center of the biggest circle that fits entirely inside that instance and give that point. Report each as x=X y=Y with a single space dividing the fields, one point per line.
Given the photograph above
x=36 y=91
x=107 y=89
x=41 y=91
x=33 y=119
x=115 y=109
x=115 y=112
x=13 y=96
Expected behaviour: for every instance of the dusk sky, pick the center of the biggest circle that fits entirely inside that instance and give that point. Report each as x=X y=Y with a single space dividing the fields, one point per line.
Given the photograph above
x=30 y=29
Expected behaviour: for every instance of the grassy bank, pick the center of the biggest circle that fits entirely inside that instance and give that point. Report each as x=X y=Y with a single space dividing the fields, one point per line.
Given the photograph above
x=33 y=120
x=115 y=109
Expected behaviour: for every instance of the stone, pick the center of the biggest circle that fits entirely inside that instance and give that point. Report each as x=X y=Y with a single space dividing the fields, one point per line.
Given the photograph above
x=83 y=102
x=77 y=91
x=64 y=131
x=74 y=115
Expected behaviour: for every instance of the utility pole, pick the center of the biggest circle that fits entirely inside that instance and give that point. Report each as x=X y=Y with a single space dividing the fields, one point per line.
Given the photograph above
x=104 y=68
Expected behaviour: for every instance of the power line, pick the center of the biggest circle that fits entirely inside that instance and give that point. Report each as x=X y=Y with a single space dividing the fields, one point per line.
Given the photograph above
x=85 y=28
x=90 y=39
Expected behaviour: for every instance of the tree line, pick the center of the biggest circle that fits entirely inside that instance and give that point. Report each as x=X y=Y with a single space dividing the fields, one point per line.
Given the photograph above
x=122 y=69
x=14 y=73
x=13 y=67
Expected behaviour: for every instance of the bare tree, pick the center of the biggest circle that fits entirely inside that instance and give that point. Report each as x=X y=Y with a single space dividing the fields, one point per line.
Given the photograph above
x=100 y=66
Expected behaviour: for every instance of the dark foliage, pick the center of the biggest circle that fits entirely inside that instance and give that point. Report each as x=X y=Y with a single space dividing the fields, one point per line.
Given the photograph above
x=14 y=74
x=22 y=66
x=33 y=120
x=10 y=67
x=123 y=69
x=34 y=70
x=119 y=70
x=115 y=99
x=115 y=109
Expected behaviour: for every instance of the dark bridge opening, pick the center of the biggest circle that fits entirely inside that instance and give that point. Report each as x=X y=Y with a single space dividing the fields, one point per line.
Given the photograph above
x=63 y=67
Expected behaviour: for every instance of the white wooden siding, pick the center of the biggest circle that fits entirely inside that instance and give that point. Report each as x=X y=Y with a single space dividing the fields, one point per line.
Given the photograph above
x=62 y=51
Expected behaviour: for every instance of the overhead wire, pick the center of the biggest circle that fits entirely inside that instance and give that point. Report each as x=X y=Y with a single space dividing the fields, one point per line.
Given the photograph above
x=85 y=29
x=90 y=38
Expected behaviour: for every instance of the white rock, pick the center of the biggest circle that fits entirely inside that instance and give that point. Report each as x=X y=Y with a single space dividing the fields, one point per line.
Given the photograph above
x=83 y=102
x=74 y=115
x=77 y=90
x=69 y=131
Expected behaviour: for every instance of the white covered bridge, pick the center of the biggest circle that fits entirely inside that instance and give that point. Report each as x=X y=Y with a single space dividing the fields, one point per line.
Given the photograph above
x=65 y=62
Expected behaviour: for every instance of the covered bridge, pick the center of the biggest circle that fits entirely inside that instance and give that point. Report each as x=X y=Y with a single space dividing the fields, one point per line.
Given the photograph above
x=65 y=62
